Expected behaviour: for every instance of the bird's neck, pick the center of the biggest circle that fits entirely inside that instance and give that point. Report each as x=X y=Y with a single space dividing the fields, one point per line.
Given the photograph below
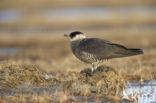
x=74 y=45
x=77 y=38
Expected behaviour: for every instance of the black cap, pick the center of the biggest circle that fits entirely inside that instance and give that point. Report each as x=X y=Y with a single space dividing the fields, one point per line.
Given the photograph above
x=73 y=34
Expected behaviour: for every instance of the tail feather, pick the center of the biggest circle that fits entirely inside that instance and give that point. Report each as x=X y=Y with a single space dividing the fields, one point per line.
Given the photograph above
x=132 y=52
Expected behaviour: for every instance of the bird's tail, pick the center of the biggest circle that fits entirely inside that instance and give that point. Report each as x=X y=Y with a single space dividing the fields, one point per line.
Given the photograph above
x=132 y=52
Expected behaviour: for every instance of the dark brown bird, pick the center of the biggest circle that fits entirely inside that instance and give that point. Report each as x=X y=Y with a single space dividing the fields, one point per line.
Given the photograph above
x=95 y=50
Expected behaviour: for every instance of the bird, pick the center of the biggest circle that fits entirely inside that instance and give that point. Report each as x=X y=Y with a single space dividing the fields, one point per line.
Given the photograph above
x=95 y=50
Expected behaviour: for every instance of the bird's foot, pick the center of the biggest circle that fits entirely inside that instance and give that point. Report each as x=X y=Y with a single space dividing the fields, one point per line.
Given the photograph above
x=93 y=70
x=94 y=66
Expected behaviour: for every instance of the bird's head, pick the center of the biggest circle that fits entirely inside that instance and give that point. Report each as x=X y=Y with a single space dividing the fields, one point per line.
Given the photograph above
x=76 y=35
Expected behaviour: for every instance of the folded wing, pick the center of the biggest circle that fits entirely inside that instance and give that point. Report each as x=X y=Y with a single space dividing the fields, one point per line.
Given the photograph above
x=103 y=49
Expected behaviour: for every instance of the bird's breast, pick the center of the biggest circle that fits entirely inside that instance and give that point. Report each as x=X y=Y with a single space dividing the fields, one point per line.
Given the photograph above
x=82 y=55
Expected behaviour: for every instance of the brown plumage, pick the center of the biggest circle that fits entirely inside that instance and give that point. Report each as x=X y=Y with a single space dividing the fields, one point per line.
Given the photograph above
x=95 y=50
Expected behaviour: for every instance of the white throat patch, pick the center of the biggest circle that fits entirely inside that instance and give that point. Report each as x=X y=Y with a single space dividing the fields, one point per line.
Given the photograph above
x=77 y=37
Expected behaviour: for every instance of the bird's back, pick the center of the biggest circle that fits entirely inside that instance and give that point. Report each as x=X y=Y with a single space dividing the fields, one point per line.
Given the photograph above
x=91 y=50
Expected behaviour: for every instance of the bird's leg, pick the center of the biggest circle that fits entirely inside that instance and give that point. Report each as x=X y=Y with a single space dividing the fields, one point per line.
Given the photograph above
x=94 y=66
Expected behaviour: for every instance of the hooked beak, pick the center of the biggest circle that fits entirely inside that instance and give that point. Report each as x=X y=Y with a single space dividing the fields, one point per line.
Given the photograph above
x=66 y=35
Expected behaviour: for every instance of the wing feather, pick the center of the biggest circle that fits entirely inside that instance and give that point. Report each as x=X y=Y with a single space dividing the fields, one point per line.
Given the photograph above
x=102 y=49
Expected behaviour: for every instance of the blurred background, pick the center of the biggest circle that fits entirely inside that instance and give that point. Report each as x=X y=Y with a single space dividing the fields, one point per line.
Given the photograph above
x=32 y=30
x=32 y=45
x=59 y=16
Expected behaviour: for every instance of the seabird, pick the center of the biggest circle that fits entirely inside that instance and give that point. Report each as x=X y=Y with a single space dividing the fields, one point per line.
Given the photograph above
x=96 y=50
